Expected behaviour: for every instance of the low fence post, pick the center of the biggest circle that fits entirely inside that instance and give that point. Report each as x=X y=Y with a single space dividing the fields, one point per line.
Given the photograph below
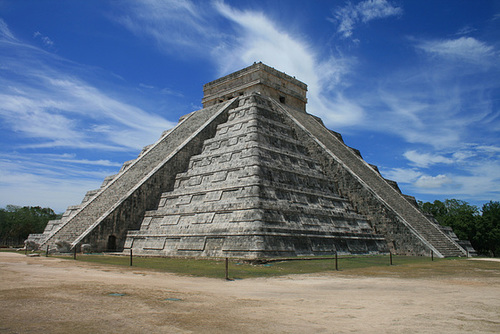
x=227 y=269
x=336 y=261
x=47 y=252
x=74 y=253
x=390 y=258
x=432 y=255
x=131 y=257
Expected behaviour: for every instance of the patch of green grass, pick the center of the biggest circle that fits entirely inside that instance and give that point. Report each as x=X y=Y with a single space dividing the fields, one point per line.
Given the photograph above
x=373 y=266
x=12 y=250
x=403 y=266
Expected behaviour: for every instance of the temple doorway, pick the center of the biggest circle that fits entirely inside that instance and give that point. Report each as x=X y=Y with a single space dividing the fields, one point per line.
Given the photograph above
x=111 y=243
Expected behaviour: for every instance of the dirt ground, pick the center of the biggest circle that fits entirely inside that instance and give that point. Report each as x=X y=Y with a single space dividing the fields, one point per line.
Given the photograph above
x=49 y=295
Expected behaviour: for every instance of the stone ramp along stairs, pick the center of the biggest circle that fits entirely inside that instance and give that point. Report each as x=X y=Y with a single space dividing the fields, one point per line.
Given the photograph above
x=378 y=196
x=120 y=203
x=250 y=175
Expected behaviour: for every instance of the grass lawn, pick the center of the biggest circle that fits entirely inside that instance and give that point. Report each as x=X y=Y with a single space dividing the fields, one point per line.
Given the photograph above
x=403 y=266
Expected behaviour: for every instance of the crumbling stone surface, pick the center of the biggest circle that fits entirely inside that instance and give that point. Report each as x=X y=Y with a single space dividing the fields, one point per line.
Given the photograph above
x=86 y=248
x=406 y=229
x=63 y=246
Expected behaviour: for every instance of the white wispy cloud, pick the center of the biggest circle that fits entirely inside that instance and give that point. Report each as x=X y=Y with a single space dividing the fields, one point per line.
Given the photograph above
x=261 y=39
x=471 y=173
x=253 y=38
x=175 y=25
x=350 y=15
x=438 y=102
x=101 y=162
x=51 y=180
x=472 y=184
x=463 y=48
x=402 y=175
x=426 y=159
x=45 y=104
x=45 y=39
x=438 y=181
x=5 y=31
x=57 y=109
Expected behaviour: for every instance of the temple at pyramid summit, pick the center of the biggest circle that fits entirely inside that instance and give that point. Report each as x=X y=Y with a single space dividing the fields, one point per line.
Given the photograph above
x=251 y=175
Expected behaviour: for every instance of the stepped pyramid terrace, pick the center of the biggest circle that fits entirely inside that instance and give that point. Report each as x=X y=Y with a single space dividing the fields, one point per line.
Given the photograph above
x=250 y=175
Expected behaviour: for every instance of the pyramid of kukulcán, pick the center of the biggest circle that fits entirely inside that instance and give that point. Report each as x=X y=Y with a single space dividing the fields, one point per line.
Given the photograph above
x=250 y=175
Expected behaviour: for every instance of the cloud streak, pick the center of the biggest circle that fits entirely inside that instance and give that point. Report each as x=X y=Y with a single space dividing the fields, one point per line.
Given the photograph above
x=46 y=105
x=425 y=159
x=56 y=109
x=253 y=38
x=263 y=40
x=176 y=26
x=464 y=48
x=349 y=16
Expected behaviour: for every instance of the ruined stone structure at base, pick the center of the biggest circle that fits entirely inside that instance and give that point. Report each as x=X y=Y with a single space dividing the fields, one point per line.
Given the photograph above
x=250 y=175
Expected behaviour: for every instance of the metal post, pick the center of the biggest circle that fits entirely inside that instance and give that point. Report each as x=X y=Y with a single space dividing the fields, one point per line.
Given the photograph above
x=390 y=257
x=336 y=261
x=131 y=257
x=47 y=252
x=467 y=251
x=74 y=253
x=227 y=269
x=432 y=256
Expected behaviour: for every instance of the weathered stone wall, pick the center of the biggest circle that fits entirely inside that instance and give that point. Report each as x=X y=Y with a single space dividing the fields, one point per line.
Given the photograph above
x=257 y=78
x=404 y=226
x=399 y=239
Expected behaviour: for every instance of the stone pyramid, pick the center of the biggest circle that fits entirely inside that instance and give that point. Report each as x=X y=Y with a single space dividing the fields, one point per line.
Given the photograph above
x=250 y=175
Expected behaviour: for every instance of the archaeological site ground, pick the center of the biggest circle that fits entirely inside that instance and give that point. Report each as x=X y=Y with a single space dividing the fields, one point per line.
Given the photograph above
x=54 y=295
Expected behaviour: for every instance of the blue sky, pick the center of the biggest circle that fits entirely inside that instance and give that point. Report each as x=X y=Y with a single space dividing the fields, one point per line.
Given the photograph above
x=84 y=85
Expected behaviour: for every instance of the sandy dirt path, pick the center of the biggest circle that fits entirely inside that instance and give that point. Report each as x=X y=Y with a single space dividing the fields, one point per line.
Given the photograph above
x=49 y=295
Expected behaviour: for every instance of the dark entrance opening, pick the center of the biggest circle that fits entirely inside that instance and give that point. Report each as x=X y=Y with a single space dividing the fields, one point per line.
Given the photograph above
x=111 y=243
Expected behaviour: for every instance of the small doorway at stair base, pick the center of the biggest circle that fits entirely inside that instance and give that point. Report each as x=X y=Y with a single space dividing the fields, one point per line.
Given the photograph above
x=111 y=244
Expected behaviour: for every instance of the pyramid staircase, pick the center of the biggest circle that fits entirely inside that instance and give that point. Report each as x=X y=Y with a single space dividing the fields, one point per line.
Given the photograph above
x=126 y=196
x=384 y=195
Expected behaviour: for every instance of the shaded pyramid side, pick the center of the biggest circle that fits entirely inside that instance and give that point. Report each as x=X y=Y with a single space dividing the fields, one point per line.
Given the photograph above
x=105 y=215
x=253 y=191
x=407 y=230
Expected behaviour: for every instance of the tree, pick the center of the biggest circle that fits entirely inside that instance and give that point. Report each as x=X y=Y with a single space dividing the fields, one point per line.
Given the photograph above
x=488 y=230
x=462 y=217
x=483 y=231
x=16 y=223
x=437 y=208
